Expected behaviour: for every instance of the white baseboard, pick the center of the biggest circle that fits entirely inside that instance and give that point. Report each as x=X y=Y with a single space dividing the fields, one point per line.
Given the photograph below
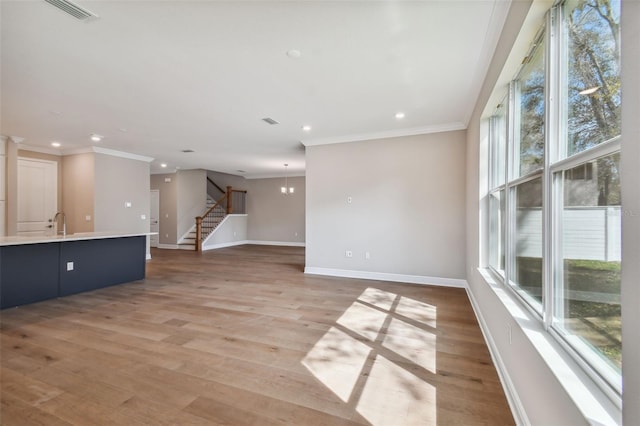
x=148 y=256
x=168 y=246
x=223 y=245
x=517 y=409
x=276 y=243
x=382 y=276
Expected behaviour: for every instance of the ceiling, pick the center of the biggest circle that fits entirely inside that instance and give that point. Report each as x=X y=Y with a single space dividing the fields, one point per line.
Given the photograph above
x=158 y=77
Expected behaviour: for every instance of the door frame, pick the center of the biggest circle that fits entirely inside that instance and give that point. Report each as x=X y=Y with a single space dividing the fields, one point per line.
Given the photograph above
x=55 y=191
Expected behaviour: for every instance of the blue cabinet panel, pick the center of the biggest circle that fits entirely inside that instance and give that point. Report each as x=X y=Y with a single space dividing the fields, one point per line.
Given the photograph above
x=101 y=263
x=28 y=273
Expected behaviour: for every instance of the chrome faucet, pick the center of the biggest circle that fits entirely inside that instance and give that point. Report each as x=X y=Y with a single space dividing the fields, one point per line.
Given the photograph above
x=64 y=222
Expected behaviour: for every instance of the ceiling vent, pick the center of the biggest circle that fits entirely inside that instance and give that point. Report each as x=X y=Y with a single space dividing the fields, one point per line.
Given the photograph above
x=73 y=9
x=186 y=151
x=270 y=121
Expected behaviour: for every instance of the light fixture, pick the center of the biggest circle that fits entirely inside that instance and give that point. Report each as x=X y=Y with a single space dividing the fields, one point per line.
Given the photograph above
x=163 y=165
x=306 y=128
x=589 y=91
x=96 y=137
x=399 y=115
x=55 y=144
x=286 y=189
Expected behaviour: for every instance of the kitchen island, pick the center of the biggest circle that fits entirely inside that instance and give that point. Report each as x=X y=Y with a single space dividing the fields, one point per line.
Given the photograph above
x=33 y=269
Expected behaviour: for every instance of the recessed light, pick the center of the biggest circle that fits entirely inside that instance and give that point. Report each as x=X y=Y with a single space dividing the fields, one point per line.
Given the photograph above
x=294 y=53
x=56 y=144
x=163 y=165
x=96 y=137
x=399 y=115
x=306 y=128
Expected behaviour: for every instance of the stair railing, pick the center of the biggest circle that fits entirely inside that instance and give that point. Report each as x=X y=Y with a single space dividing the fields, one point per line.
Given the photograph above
x=233 y=199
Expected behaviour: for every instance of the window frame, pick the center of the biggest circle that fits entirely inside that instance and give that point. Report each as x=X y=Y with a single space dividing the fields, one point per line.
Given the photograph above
x=556 y=160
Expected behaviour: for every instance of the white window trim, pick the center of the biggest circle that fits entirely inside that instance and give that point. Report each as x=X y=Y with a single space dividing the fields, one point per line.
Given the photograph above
x=596 y=396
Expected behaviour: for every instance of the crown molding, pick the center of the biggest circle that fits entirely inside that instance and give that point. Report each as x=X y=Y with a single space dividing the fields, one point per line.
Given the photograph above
x=106 y=151
x=413 y=131
x=40 y=149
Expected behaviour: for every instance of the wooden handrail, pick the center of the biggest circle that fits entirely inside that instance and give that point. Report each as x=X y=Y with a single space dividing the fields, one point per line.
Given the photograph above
x=228 y=196
x=200 y=218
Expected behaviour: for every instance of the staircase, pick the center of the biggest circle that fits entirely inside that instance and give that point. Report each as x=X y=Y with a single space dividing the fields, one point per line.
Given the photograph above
x=188 y=241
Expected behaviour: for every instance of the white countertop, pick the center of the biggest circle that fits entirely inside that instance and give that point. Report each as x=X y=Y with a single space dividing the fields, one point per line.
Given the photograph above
x=20 y=240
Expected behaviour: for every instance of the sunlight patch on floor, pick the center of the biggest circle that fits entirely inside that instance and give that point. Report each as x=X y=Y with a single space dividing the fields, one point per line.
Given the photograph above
x=350 y=358
x=412 y=343
x=337 y=360
x=363 y=320
x=417 y=311
x=392 y=395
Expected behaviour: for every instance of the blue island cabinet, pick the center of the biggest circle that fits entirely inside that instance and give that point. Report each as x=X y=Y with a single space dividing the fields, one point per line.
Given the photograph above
x=33 y=272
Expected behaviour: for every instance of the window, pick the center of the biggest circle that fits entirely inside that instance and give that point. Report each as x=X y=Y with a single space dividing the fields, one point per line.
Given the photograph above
x=555 y=214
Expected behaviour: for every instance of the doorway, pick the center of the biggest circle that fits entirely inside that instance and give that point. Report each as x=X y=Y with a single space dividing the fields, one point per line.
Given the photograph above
x=37 y=196
x=154 y=219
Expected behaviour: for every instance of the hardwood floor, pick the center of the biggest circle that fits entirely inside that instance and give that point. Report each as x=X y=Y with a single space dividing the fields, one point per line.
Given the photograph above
x=240 y=336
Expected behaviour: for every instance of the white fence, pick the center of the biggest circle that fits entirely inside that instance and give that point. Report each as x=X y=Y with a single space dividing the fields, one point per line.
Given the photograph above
x=589 y=233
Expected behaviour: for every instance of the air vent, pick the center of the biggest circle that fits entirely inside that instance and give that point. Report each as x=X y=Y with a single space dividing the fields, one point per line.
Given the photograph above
x=72 y=9
x=270 y=121
x=187 y=150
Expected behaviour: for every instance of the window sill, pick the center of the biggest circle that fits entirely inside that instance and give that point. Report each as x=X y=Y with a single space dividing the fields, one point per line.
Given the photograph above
x=592 y=402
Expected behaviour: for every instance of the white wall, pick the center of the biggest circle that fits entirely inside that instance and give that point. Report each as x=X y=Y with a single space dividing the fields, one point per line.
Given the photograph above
x=191 y=198
x=630 y=177
x=407 y=207
x=230 y=232
x=118 y=181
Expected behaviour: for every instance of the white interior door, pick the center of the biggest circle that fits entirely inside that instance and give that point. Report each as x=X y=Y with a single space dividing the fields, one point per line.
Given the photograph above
x=37 y=196
x=155 y=217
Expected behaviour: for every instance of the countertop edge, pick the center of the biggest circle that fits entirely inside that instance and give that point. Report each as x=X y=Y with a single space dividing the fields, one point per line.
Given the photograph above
x=24 y=240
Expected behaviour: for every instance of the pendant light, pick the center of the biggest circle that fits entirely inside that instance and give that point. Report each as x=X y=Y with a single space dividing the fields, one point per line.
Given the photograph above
x=286 y=189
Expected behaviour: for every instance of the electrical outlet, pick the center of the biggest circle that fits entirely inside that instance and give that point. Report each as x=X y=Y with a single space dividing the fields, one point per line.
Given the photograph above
x=348 y=253
x=367 y=255
x=349 y=200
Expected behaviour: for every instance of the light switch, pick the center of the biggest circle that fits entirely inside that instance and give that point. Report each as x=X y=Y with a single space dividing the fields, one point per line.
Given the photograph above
x=127 y=204
x=69 y=266
x=167 y=179
x=143 y=216
x=88 y=218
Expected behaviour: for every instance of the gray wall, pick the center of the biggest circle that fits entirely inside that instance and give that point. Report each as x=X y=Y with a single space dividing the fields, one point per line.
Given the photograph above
x=631 y=209
x=275 y=217
x=272 y=217
x=119 y=180
x=407 y=206
x=191 y=195
x=168 y=207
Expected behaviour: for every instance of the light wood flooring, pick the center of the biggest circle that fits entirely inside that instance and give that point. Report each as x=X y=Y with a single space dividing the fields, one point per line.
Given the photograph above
x=240 y=336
